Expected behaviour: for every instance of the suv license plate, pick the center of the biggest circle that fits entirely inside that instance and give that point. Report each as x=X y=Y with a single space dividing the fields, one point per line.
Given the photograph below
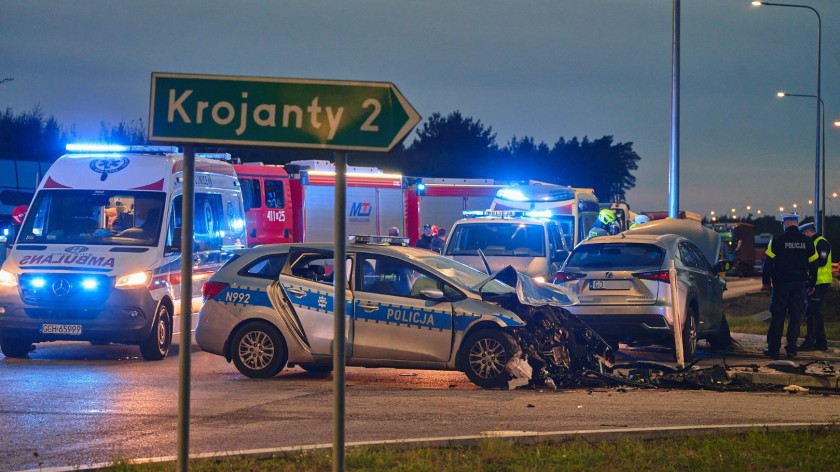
x=61 y=329
x=609 y=285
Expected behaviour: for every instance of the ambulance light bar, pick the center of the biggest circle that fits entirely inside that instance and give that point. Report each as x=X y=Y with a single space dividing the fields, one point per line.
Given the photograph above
x=373 y=240
x=98 y=147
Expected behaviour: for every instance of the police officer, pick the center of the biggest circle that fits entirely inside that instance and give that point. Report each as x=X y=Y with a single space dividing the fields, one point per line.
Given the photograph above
x=815 y=334
x=601 y=227
x=790 y=264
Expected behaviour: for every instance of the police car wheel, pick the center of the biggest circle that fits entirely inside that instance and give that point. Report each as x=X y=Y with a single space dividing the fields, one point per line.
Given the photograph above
x=259 y=350
x=15 y=347
x=156 y=346
x=484 y=355
x=689 y=335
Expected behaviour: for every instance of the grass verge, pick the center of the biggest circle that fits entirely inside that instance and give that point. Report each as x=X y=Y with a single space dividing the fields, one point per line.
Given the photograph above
x=754 y=451
x=740 y=313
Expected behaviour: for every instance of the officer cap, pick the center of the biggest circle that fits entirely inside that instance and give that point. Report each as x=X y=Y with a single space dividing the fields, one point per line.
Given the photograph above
x=806 y=227
x=790 y=216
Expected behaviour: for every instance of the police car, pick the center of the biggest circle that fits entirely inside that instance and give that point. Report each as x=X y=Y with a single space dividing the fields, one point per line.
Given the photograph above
x=273 y=306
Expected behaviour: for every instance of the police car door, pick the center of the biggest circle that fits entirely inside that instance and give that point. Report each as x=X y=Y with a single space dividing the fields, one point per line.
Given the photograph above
x=308 y=283
x=392 y=320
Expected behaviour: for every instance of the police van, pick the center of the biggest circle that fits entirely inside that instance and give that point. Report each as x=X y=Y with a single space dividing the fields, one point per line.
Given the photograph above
x=97 y=257
x=530 y=242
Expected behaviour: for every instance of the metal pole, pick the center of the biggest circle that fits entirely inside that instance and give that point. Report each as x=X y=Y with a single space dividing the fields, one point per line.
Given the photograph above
x=339 y=288
x=674 y=175
x=184 y=348
x=822 y=166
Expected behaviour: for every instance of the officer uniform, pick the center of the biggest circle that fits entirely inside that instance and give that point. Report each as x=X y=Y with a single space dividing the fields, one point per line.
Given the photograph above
x=790 y=264
x=815 y=334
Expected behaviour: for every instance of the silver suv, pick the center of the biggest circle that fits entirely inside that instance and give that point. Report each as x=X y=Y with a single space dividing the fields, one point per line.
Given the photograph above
x=623 y=286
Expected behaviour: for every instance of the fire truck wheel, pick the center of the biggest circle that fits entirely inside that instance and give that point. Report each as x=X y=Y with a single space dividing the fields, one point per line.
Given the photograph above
x=484 y=355
x=156 y=346
x=258 y=350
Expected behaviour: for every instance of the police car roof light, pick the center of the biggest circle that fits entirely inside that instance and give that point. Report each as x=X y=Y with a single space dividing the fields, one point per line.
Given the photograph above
x=511 y=194
x=102 y=147
x=375 y=240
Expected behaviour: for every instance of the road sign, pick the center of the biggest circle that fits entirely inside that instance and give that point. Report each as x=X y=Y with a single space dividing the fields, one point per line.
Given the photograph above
x=307 y=113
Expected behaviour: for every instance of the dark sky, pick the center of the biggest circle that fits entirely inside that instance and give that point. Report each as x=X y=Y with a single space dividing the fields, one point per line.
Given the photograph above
x=543 y=68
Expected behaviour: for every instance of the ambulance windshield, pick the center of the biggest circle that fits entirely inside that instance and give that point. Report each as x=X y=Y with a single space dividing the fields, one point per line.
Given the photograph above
x=127 y=218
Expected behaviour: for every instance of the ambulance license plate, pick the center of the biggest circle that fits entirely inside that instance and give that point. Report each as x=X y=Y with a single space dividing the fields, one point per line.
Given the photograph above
x=61 y=329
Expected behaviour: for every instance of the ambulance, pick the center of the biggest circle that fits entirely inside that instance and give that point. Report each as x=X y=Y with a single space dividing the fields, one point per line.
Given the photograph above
x=98 y=258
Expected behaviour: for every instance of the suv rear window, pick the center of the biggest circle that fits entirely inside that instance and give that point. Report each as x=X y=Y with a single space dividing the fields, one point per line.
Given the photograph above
x=616 y=256
x=497 y=239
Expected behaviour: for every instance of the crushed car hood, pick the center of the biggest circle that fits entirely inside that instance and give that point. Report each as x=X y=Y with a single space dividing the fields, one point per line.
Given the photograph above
x=529 y=292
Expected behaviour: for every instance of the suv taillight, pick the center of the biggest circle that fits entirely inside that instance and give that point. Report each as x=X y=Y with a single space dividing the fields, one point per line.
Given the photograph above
x=211 y=289
x=657 y=275
x=561 y=277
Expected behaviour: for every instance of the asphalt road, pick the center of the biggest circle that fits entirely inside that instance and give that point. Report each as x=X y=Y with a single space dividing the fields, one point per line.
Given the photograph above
x=75 y=404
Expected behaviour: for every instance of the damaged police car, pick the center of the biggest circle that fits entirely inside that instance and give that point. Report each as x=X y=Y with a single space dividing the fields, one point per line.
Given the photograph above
x=272 y=306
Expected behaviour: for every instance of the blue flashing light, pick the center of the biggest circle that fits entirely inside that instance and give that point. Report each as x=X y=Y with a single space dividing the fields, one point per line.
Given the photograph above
x=93 y=147
x=5 y=231
x=511 y=194
x=538 y=214
x=90 y=284
x=104 y=147
x=38 y=282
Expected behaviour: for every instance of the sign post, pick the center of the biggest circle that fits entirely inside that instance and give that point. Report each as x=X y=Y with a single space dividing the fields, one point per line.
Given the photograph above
x=300 y=113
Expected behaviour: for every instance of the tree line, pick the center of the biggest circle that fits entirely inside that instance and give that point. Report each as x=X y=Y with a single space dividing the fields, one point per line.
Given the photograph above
x=454 y=146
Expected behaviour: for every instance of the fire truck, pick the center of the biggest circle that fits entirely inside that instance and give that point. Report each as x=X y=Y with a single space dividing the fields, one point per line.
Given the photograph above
x=295 y=202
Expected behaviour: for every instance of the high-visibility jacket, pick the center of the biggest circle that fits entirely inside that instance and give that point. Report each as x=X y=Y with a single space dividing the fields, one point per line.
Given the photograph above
x=824 y=262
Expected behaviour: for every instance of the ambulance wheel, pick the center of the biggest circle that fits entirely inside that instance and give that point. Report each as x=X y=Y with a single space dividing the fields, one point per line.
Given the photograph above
x=484 y=355
x=156 y=346
x=15 y=347
x=258 y=350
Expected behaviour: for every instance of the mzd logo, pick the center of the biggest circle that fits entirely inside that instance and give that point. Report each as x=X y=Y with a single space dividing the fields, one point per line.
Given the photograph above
x=360 y=212
x=108 y=166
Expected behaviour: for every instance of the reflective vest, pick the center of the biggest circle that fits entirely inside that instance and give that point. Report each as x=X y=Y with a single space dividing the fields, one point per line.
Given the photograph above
x=824 y=271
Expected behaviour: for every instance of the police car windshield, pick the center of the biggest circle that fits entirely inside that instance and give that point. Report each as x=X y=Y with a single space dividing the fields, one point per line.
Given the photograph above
x=463 y=275
x=497 y=238
x=94 y=217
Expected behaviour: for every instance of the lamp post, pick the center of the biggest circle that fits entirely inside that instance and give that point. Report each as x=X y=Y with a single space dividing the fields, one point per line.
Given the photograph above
x=821 y=196
x=817 y=213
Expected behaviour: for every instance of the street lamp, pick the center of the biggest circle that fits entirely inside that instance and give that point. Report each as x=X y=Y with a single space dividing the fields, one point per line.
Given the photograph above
x=817 y=221
x=821 y=194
